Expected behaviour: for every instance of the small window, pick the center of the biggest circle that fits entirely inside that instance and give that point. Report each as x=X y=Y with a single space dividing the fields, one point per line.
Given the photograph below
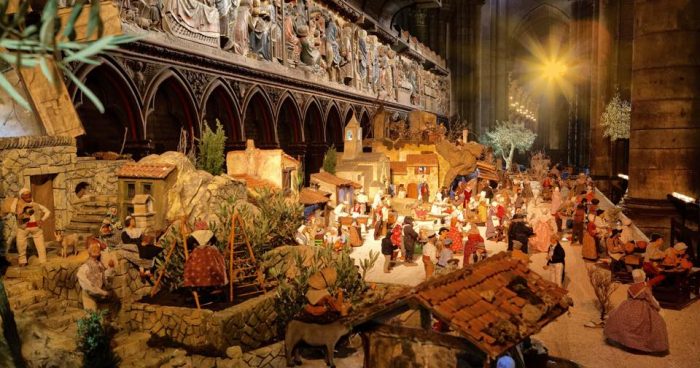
x=130 y=208
x=422 y=170
x=130 y=190
x=146 y=188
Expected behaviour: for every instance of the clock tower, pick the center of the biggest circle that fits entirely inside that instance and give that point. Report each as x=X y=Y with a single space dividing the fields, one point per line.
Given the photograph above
x=353 y=139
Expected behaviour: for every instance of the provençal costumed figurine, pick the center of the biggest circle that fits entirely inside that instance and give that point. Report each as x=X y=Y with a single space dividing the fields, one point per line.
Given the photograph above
x=205 y=267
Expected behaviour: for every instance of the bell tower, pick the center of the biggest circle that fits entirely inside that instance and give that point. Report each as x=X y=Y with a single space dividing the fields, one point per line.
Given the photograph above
x=353 y=139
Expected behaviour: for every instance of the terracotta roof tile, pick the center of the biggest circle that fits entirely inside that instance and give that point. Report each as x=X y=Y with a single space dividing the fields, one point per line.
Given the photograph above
x=310 y=196
x=334 y=180
x=472 y=299
x=255 y=183
x=145 y=171
x=423 y=159
x=398 y=167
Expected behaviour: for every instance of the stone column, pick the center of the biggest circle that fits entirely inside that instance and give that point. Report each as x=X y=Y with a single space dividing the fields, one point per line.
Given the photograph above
x=600 y=146
x=463 y=60
x=665 y=129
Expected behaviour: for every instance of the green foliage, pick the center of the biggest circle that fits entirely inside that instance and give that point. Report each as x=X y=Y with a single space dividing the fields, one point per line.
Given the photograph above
x=366 y=264
x=26 y=45
x=330 y=160
x=507 y=137
x=175 y=269
x=211 y=149
x=94 y=342
x=271 y=223
x=291 y=293
x=616 y=118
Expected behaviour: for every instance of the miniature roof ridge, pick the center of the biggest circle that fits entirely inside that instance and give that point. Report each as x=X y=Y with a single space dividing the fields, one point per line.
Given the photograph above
x=422 y=159
x=470 y=321
x=335 y=180
x=147 y=171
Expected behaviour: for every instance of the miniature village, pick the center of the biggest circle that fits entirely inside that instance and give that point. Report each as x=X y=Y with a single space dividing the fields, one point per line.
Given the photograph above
x=343 y=183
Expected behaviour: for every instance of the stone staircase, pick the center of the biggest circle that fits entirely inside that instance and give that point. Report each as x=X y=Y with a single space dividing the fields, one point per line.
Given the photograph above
x=89 y=212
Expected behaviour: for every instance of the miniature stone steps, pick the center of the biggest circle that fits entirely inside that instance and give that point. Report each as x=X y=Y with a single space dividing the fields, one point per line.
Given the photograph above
x=128 y=345
x=28 y=298
x=89 y=212
x=64 y=320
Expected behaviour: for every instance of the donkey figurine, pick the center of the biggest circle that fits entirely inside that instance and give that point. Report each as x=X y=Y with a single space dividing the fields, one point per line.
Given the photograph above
x=315 y=335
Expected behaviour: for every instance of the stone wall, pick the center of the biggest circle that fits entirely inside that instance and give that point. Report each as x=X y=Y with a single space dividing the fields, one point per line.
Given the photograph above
x=250 y=325
x=24 y=157
x=59 y=278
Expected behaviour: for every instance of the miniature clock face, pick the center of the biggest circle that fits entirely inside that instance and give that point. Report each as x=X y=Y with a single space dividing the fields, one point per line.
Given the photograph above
x=348 y=135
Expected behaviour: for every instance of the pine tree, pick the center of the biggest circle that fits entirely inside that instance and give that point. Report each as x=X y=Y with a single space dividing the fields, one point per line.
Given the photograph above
x=330 y=160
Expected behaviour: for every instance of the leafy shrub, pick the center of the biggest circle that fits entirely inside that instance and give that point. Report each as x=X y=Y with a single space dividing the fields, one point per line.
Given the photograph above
x=94 y=342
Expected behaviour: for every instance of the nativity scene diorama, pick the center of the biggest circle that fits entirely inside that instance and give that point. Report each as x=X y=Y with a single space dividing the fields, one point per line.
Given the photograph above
x=277 y=183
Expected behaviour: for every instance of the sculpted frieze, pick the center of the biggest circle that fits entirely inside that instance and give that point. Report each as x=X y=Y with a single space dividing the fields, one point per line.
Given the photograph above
x=320 y=38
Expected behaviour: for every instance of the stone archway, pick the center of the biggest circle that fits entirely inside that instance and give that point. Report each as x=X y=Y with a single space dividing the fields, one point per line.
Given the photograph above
x=258 y=123
x=120 y=125
x=314 y=134
x=289 y=129
x=219 y=104
x=334 y=128
x=172 y=115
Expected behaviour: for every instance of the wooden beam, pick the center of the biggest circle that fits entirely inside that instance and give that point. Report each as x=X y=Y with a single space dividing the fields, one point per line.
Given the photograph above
x=449 y=341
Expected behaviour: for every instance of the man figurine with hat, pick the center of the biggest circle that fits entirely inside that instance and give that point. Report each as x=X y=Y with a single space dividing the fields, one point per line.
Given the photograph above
x=30 y=216
x=430 y=254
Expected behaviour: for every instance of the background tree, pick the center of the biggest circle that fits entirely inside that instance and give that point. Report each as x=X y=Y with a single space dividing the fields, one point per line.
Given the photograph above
x=330 y=159
x=211 y=149
x=507 y=137
x=616 y=118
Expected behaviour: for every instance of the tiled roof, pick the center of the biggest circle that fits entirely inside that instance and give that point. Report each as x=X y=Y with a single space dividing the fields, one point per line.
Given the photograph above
x=424 y=159
x=145 y=171
x=487 y=171
x=481 y=302
x=399 y=167
x=255 y=183
x=334 y=180
x=310 y=196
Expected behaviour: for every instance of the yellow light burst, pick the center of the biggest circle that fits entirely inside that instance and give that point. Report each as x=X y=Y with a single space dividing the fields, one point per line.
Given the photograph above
x=551 y=67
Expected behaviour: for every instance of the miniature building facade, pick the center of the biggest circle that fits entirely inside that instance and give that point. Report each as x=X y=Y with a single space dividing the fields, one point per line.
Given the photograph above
x=370 y=169
x=143 y=188
x=341 y=190
x=271 y=168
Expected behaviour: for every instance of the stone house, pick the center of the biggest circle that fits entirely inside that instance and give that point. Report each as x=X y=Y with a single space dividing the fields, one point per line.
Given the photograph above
x=51 y=169
x=490 y=307
x=137 y=180
x=341 y=189
x=271 y=168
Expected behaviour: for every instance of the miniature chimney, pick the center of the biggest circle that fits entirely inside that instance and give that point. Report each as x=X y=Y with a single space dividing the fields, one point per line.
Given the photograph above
x=353 y=139
x=465 y=135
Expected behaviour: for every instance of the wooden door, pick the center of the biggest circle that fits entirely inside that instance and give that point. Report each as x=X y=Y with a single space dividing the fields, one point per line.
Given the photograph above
x=412 y=190
x=42 y=193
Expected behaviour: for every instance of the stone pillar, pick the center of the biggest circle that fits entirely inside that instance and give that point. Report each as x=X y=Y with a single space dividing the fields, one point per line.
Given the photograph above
x=463 y=58
x=600 y=94
x=665 y=129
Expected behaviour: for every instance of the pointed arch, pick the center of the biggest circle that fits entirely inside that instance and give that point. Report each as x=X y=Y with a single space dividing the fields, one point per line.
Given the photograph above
x=258 y=123
x=219 y=103
x=170 y=109
x=313 y=122
x=334 y=128
x=121 y=122
x=290 y=132
x=366 y=124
